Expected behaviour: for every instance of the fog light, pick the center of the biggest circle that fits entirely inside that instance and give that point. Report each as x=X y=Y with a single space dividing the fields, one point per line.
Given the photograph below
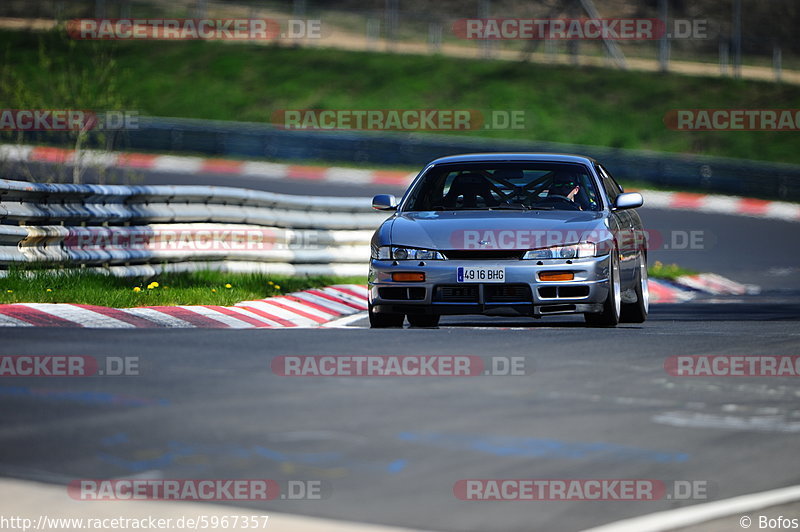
x=408 y=277
x=556 y=276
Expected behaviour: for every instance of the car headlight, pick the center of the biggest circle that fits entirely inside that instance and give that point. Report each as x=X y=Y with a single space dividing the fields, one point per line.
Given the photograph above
x=573 y=251
x=381 y=253
x=402 y=253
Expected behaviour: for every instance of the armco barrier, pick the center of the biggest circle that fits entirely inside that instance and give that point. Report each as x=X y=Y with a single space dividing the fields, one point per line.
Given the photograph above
x=711 y=174
x=131 y=230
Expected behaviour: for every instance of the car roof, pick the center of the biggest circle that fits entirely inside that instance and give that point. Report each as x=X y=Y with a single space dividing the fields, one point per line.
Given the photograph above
x=514 y=157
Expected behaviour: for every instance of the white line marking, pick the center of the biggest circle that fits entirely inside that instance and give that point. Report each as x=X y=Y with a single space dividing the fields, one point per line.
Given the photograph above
x=715 y=421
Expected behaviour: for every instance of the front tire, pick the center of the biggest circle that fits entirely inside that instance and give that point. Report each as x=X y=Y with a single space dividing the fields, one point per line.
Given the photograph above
x=637 y=312
x=609 y=317
x=423 y=320
x=382 y=320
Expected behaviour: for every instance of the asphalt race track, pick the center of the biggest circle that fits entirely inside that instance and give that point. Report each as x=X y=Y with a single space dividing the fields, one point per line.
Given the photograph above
x=598 y=403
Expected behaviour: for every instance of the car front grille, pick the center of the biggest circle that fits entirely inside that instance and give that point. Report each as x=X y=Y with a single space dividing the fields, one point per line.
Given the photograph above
x=400 y=293
x=504 y=293
x=492 y=293
x=484 y=254
x=456 y=293
x=566 y=291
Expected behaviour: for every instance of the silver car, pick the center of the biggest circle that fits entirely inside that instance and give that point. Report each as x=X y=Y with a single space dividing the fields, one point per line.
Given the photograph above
x=509 y=234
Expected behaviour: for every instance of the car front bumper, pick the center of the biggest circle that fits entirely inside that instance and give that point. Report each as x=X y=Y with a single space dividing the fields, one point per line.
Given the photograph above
x=521 y=293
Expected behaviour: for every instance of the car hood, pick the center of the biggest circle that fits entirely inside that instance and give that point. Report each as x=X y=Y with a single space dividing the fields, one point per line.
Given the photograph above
x=496 y=229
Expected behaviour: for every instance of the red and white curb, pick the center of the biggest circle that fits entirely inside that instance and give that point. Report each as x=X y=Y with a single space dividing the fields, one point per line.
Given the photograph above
x=309 y=308
x=706 y=203
x=711 y=283
x=200 y=165
x=663 y=292
x=717 y=203
x=319 y=307
x=686 y=287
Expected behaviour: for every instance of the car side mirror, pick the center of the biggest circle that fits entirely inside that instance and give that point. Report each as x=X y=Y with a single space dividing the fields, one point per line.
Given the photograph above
x=384 y=202
x=629 y=200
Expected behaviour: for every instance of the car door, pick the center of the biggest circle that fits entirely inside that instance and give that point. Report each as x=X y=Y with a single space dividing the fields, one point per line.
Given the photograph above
x=626 y=235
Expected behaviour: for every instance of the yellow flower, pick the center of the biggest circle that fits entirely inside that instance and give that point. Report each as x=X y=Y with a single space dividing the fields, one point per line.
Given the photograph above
x=214 y=290
x=228 y=285
x=270 y=282
x=49 y=290
x=137 y=289
x=155 y=284
x=277 y=287
x=10 y=291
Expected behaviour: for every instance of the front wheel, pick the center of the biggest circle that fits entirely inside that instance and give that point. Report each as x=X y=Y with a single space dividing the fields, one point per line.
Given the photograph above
x=423 y=320
x=637 y=312
x=609 y=317
x=382 y=320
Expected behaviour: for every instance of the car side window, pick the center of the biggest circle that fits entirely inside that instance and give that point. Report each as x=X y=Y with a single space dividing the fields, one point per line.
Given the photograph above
x=611 y=187
x=613 y=181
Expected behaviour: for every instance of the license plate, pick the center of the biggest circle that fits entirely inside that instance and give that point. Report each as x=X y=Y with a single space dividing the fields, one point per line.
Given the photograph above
x=481 y=274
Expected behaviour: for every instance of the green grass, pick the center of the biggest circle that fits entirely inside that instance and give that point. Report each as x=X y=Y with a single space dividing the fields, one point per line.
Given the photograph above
x=594 y=106
x=197 y=288
x=669 y=272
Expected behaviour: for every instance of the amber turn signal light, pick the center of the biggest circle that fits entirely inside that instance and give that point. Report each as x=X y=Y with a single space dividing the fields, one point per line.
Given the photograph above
x=408 y=277
x=556 y=276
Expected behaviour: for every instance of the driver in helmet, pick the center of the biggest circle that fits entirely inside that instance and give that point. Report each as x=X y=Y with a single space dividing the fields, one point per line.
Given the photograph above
x=565 y=185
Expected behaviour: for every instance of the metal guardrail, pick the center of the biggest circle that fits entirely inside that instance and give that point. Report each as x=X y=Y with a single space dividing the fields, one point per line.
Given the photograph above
x=133 y=230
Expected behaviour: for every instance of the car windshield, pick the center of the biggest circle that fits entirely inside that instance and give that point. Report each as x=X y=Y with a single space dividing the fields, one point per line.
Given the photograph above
x=500 y=186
